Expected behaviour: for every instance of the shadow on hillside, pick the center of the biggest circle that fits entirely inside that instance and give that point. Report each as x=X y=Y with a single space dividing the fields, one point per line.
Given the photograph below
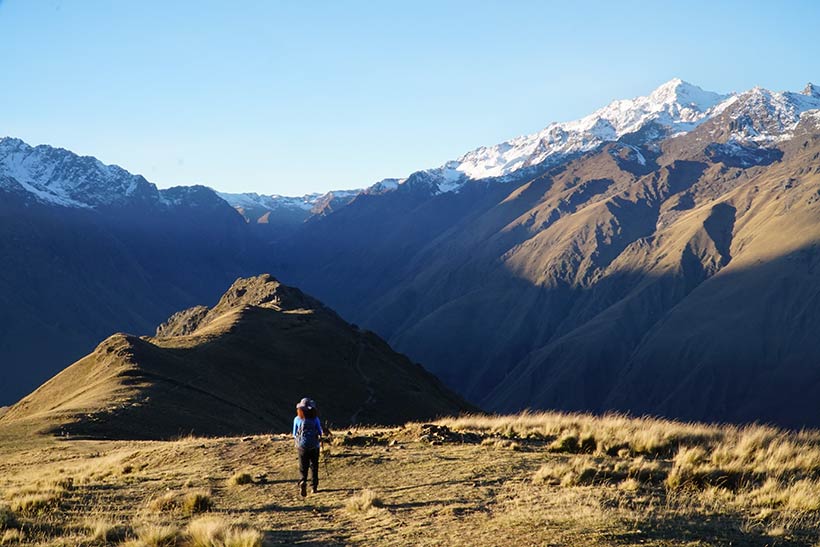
x=432 y=281
x=304 y=537
x=734 y=347
x=694 y=529
x=428 y=485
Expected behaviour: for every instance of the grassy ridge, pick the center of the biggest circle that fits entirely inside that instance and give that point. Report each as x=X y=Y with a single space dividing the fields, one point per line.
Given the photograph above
x=530 y=479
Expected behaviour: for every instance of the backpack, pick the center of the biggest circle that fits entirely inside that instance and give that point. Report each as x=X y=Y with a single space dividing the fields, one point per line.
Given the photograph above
x=307 y=436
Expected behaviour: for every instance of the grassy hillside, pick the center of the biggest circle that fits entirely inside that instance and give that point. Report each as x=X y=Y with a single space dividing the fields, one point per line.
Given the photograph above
x=532 y=479
x=235 y=369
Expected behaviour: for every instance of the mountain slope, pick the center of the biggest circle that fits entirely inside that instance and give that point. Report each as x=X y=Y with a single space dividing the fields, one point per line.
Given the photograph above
x=632 y=276
x=236 y=368
x=90 y=249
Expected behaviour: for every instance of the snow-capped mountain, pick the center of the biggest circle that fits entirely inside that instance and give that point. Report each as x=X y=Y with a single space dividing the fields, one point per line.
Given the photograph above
x=762 y=116
x=56 y=176
x=260 y=209
x=758 y=116
x=274 y=201
x=59 y=177
x=675 y=107
x=271 y=202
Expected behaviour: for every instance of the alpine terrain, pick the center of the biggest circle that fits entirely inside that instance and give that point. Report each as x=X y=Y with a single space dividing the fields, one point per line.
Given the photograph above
x=233 y=369
x=657 y=256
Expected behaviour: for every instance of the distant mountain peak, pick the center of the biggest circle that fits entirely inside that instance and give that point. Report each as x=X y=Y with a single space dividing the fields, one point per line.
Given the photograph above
x=684 y=94
x=56 y=176
x=760 y=115
x=677 y=106
x=811 y=90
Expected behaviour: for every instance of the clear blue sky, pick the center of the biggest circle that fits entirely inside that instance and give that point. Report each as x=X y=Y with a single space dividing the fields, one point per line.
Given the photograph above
x=293 y=97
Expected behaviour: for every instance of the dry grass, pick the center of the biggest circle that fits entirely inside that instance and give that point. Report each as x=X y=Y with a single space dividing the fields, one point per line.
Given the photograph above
x=36 y=505
x=756 y=474
x=363 y=502
x=216 y=532
x=239 y=478
x=103 y=530
x=185 y=503
x=12 y=537
x=156 y=536
x=500 y=481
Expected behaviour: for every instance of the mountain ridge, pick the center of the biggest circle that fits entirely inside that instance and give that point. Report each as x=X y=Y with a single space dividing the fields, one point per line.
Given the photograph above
x=234 y=370
x=674 y=107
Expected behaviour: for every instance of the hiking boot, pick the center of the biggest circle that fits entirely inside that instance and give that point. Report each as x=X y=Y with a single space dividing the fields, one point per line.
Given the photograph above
x=303 y=489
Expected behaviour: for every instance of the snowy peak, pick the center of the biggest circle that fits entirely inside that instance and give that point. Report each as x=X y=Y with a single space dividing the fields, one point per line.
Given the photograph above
x=258 y=208
x=684 y=95
x=760 y=115
x=675 y=106
x=271 y=202
x=57 y=176
x=811 y=90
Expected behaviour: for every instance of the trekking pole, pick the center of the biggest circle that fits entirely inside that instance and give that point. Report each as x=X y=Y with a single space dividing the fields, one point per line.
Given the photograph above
x=325 y=458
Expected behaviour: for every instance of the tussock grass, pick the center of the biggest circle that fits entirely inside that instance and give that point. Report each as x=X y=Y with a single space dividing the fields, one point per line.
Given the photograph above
x=12 y=537
x=239 y=478
x=754 y=469
x=186 y=503
x=363 y=502
x=36 y=505
x=196 y=502
x=609 y=434
x=582 y=471
x=621 y=480
x=156 y=536
x=216 y=532
x=104 y=530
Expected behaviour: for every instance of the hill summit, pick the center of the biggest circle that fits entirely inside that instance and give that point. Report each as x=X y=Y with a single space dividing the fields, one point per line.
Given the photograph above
x=235 y=368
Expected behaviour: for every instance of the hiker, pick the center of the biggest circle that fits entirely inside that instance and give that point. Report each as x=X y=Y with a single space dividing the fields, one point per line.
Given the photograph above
x=307 y=432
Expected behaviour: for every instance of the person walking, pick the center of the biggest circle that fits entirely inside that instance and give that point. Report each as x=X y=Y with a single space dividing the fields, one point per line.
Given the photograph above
x=307 y=433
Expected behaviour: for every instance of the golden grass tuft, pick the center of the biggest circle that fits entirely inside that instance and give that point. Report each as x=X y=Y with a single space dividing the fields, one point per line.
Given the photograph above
x=12 y=537
x=366 y=501
x=36 y=505
x=216 y=532
x=156 y=536
x=629 y=485
x=239 y=478
x=568 y=442
x=196 y=502
x=187 y=503
x=105 y=531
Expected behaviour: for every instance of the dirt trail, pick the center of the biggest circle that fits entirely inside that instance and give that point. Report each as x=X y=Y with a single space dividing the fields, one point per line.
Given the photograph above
x=368 y=384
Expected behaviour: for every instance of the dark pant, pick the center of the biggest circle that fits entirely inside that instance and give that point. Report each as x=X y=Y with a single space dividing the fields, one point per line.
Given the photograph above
x=309 y=457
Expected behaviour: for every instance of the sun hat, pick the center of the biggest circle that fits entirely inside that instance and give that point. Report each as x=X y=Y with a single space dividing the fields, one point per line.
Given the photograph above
x=306 y=403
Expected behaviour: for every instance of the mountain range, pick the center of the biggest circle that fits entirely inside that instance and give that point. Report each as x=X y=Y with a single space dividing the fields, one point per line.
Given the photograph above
x=656 y=256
